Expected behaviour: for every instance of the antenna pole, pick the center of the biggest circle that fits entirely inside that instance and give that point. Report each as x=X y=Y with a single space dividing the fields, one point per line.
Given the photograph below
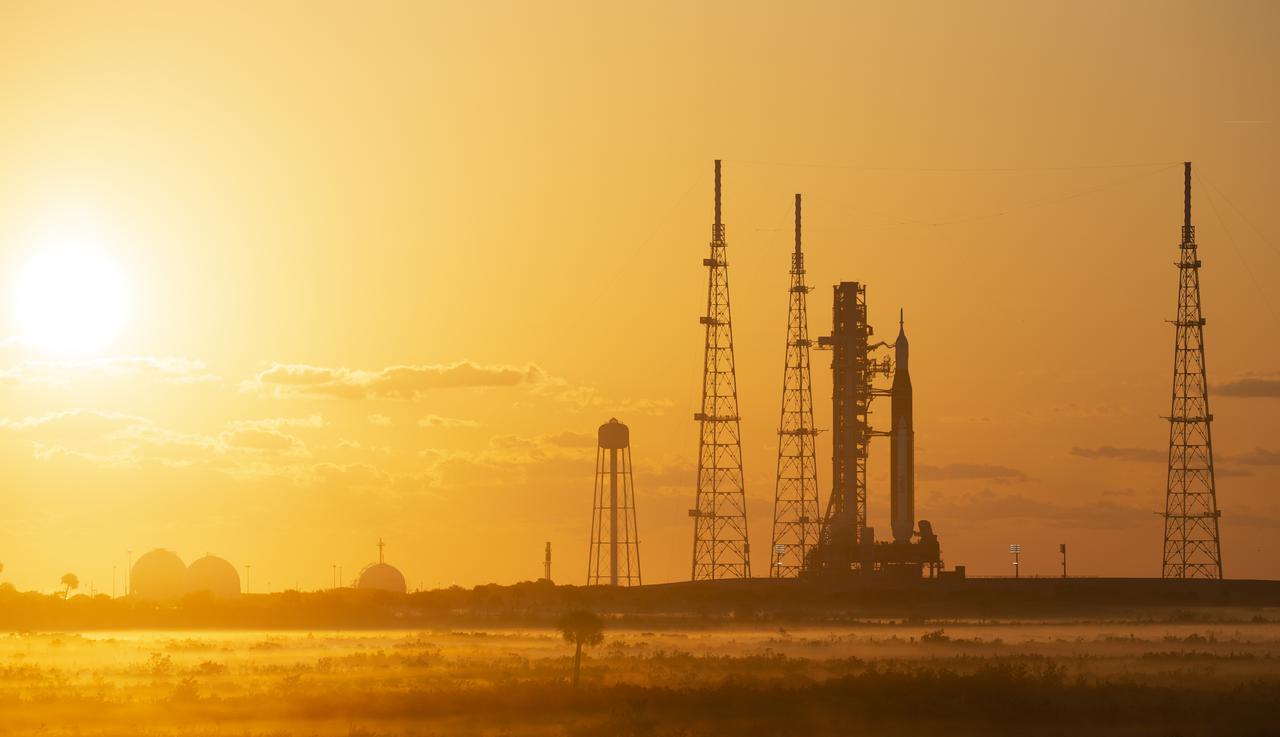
x=1186 y=197
x=718 y=223
x=797 y=223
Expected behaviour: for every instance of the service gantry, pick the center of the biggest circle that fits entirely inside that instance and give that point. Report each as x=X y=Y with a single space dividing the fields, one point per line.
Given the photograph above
x=853 y=366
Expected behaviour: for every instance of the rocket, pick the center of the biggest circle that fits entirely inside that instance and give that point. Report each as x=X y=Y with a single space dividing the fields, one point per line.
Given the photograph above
x=902 y=450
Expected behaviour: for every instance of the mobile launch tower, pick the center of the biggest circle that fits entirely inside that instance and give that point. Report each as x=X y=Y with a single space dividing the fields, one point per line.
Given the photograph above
x=847 y=543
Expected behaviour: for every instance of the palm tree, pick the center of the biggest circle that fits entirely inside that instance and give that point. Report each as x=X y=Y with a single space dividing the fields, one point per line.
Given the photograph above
x=580 y=628
x=71 y=581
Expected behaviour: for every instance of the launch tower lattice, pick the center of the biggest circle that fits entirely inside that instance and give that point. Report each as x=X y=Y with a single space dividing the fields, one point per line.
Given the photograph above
x=796 y=515
x=720 y=546
x=844 y=525
x=1191 y=548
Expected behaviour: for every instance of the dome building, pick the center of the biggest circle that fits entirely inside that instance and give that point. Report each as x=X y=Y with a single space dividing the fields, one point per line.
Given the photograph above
x=159 y=575
x=214 y=575
x=381 y=576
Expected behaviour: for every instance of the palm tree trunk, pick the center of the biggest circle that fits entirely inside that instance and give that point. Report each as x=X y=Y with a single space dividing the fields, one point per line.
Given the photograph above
x=577 y=664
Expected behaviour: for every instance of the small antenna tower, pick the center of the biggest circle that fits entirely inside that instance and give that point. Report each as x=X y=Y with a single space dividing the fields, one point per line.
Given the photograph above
x=614 y=558
x=796 y=514
x=720 y=546
x=1191 y=513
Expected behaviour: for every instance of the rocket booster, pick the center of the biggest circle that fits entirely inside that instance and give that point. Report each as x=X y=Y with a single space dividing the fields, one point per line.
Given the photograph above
x=902 y=450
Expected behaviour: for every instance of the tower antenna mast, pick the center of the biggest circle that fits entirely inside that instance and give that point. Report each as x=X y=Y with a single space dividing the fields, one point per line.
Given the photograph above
x=720 y=546
x=796 y=513
x=1191 y=542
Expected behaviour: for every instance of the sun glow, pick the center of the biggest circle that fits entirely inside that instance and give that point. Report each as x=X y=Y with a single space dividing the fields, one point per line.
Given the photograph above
x=70 y=297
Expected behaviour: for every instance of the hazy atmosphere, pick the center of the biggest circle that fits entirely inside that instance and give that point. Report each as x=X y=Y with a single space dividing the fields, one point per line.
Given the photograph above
x=360 y=271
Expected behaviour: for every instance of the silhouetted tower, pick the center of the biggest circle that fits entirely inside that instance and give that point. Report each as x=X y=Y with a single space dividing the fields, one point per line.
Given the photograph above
x=720 y=546
x=796 y=515
x=1191 y=514
x=844 y=525
x=546 y=564
x=615 y=548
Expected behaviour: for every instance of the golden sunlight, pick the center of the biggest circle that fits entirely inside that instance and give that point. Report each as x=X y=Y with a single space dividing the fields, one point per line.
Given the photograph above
x=70 y=297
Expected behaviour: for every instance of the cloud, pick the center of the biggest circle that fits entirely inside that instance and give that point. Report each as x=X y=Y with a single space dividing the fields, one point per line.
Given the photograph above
x=1256 y=386
x=987 y=505
x=392 y=382
x=1090 y=411
x=377 y=419
x=1221 y=471
x=1246 y=517
x=73 y=423
x=570 y=439
x=970 y=472
x=512 y=460
x=277 y=423
x=169 y=370
x=263 y=440
x=350 y=475
x=439 y=421
x=1257 y=457
x=120 y=440
x=1112 y=453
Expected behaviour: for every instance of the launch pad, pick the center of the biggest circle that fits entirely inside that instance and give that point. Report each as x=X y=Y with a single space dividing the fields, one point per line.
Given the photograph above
x=846 y=543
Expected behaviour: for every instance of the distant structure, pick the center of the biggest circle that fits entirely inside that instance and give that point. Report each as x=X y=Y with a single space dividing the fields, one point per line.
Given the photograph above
x=796 y=514
x=720 y=545
x=1191 y=542
x=159 y=575
x=614 y=558
x=844 y=525
x=546 y=564
x=213 y=575
x=381 y=576
x=845 y=543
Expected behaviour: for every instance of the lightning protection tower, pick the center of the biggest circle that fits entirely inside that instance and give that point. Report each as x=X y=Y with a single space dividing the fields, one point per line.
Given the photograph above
x=796 y=515
x=1191 y=502
x=615 y=547
x=720 y=547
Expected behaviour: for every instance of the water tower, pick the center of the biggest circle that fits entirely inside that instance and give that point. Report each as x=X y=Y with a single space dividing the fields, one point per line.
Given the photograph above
x=614 y=559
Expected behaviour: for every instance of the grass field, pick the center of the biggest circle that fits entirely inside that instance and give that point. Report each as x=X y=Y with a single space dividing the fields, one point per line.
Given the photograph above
x=876 y=678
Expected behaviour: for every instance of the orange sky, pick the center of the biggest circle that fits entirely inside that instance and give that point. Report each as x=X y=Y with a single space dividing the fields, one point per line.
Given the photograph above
x=388 y=268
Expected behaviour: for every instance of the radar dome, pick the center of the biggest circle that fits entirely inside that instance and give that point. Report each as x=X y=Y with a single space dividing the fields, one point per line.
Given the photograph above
x=158 y=576
x=214 y=575
x=383 y=577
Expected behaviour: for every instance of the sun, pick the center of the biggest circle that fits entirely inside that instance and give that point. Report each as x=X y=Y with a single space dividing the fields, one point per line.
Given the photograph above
x=70 y=297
